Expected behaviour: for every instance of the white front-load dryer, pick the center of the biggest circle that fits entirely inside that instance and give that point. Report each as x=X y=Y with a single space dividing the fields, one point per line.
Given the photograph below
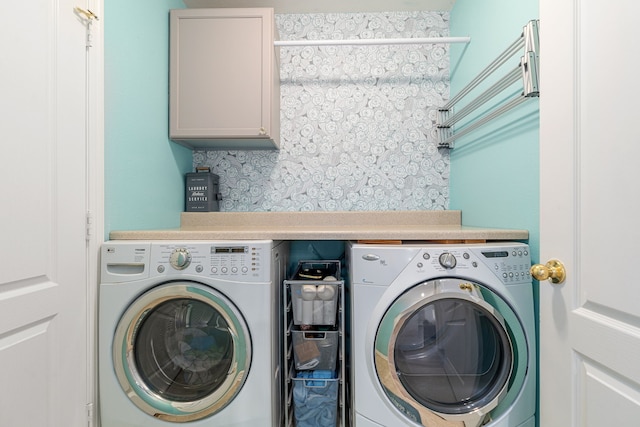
x=189 y=332
x=442 y=335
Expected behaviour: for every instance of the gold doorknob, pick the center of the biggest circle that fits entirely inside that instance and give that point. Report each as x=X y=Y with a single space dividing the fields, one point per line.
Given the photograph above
x=553 y=270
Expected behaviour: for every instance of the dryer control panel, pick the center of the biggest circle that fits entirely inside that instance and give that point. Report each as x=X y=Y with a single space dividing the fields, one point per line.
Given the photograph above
x=381 y=265
x=509 y=262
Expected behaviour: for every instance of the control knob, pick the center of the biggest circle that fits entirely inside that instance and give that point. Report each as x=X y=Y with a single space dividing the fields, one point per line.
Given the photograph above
x=180 y=258
x=447 y=260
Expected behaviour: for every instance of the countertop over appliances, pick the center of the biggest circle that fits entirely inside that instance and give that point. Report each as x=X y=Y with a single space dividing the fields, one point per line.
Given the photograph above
x=360 y=225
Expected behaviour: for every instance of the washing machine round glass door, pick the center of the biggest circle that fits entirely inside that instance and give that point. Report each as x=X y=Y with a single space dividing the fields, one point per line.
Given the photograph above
x=450 y=349
x=181 y=351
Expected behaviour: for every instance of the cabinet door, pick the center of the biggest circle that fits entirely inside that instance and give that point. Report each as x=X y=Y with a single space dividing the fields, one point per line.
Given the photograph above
x=222 y=78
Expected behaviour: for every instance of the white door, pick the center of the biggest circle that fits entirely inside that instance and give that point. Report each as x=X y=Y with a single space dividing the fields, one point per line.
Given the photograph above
x=48 y=270
x=590 y=205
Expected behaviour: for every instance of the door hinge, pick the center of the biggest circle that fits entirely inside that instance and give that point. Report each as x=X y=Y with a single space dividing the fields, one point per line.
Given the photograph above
x=87 y=13
x=88 y=226
x=90 y=415
x=88 y=18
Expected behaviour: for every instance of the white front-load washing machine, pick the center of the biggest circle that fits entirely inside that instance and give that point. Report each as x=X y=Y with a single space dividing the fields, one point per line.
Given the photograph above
x=189 y=332
x=442 y=335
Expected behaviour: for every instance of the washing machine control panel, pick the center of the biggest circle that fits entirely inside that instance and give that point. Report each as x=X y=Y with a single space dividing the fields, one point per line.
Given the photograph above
x=247 y=261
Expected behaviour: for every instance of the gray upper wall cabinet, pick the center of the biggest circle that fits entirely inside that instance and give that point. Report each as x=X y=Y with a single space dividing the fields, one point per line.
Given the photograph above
x=224 y=79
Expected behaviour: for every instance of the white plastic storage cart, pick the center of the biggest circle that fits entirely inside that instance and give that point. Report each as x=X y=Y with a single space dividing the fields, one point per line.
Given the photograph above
x=314 y=343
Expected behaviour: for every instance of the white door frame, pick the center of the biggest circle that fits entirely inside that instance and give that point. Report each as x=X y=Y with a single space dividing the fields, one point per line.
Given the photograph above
x=95 y=185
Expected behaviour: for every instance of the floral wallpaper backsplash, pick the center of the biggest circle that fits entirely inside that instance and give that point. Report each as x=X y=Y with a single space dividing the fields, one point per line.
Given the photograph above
x=357 y=122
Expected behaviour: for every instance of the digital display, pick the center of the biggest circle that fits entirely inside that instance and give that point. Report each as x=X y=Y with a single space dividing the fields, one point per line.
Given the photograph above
x=499 y=254
x=229 y=250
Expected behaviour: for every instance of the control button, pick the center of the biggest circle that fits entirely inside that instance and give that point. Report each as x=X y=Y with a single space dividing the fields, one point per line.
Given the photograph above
x=199 y=269
x=475 y=264
x=504 y=275
x=426 y=256
x=447 y=260
x=420 y=265
x=234 y=270
x=180 y=258
x=161 y=269
x=214 y=270
x=514 y=253
x=465 y=255
x=245 y=269
x=224 y=270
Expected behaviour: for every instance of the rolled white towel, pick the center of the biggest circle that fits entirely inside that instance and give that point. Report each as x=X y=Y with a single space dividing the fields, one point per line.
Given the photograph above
x=298 y=307
x=309 y=294
x=327 y=293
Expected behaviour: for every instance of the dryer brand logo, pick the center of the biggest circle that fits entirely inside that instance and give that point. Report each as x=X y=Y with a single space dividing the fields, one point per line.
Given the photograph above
x=404 y=407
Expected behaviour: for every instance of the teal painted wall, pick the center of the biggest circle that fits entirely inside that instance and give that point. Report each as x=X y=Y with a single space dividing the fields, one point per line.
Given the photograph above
x=495 y=170
x=494 y=177
x=144 y=171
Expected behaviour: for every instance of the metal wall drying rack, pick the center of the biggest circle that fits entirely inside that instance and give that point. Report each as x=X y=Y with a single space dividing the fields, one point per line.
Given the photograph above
x=527 y=69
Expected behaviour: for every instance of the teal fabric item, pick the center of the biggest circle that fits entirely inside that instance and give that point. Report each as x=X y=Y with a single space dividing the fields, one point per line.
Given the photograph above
x=315 y=399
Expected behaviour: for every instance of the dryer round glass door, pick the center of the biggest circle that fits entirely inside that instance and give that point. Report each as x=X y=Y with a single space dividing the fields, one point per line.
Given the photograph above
x=181 y=352
x=450 y=349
